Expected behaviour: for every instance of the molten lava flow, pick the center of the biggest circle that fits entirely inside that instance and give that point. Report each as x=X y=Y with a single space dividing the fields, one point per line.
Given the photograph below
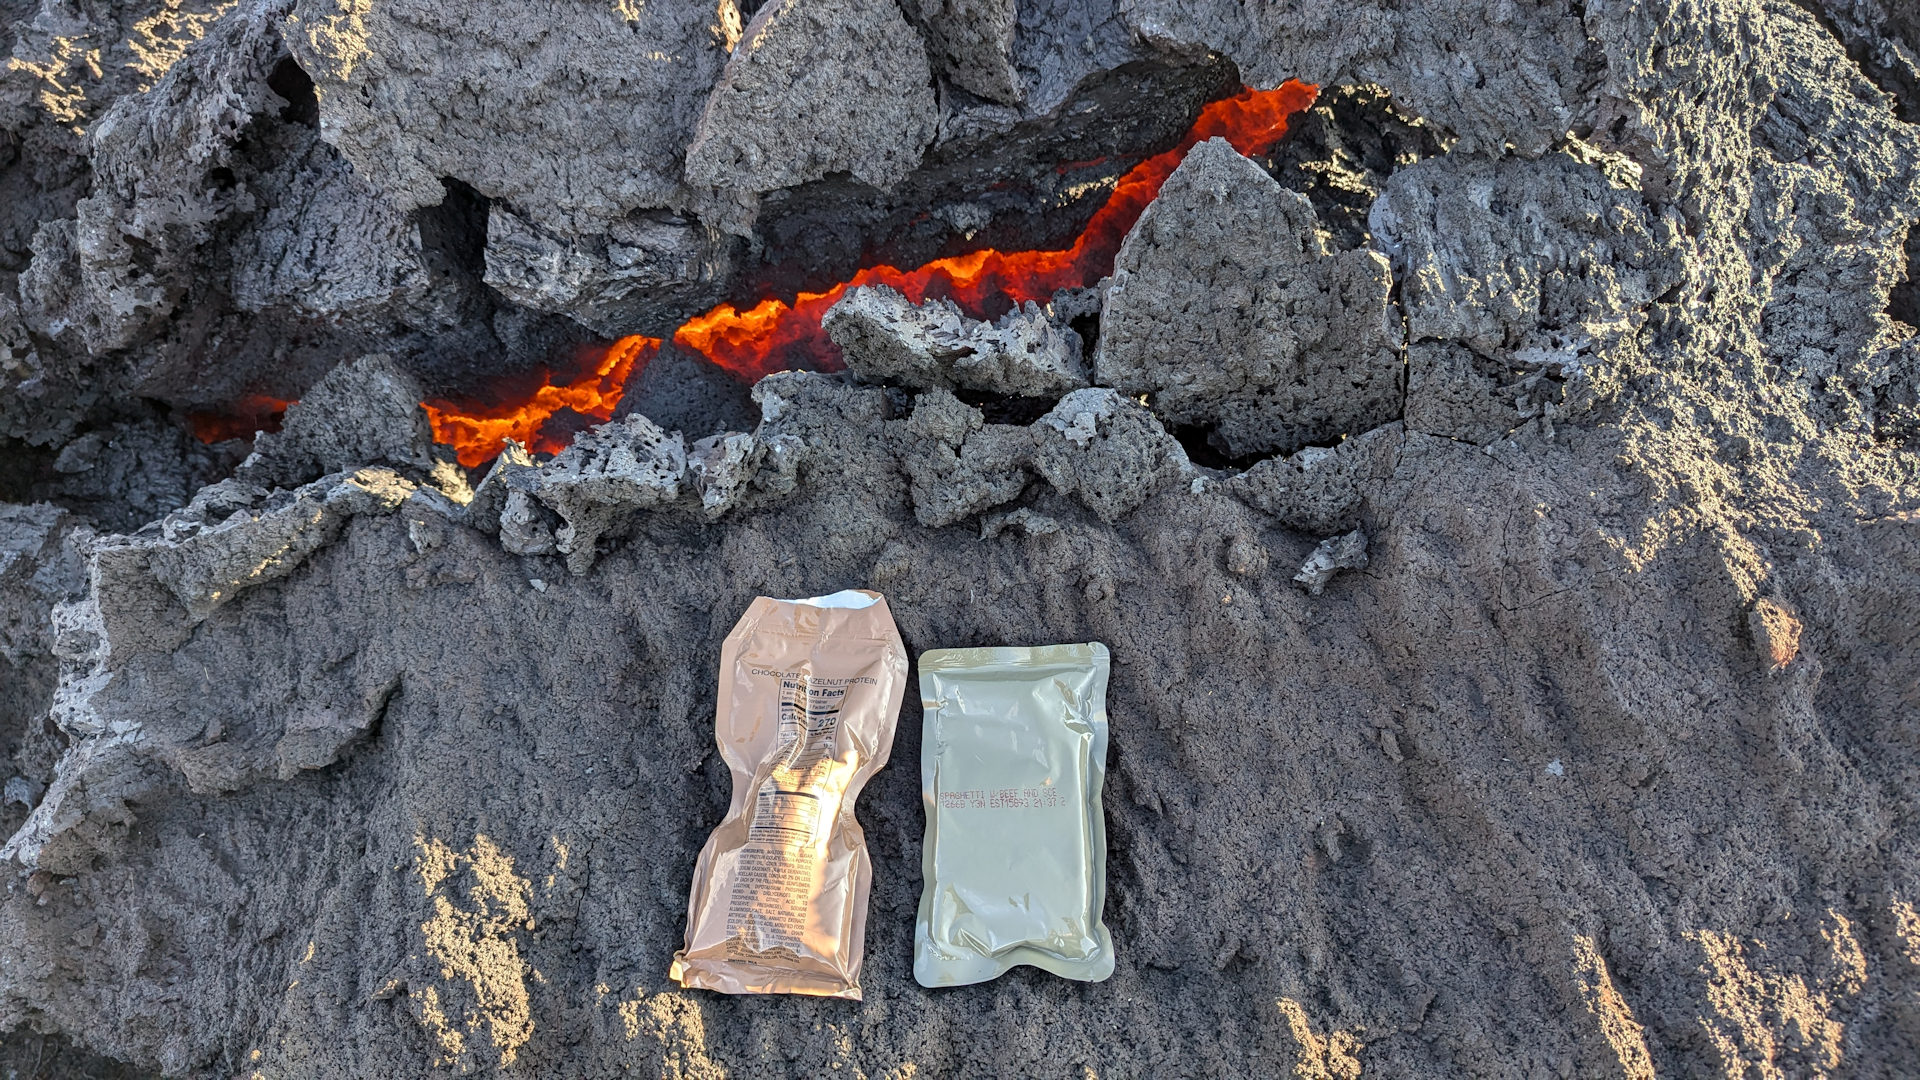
x=255 y=412
x=774 y=335
x=521 y=412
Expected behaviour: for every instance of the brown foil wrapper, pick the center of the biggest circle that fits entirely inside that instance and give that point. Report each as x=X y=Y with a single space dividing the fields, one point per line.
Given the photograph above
x=810 y=692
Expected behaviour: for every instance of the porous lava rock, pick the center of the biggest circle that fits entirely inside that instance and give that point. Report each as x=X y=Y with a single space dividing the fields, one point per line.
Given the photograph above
x=575 y=114
x=817 y=87
x=366 y=411
x=1228 y=308
x=1025 y=353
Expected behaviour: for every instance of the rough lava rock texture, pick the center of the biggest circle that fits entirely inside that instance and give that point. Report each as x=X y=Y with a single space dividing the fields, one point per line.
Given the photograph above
x=884 y=337
x=575 y=114
x=1229 y=310
x=817 y=87
x=1559 y=720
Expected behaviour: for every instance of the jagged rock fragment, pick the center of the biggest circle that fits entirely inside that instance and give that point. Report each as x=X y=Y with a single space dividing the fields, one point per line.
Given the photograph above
x=489 y=500
x=720 y=468
x=1521 y=313
x=1318 y=490
x=1105 y=450
x=645 y=272
x=972 y=42
x=1023 y=521
x=364 y=412
x=1337 y=553
x=525 y=526
x=327 y=244
x=110 y=274
x=817 y=87
x=234 y=536
x=40 y=564
x=958 y=464
x=575 y=113
x=1227 y=307
x=1490 y=74
x=597 y=483
x=884 y=336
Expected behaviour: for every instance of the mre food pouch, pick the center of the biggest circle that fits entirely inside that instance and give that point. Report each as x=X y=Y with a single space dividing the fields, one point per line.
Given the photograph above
x=809 y=694
x=1015 y=859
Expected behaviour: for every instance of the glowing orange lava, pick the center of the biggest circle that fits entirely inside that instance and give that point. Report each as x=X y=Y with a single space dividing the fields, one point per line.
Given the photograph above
x=775 y=335
x=476 y=429
x=255 y=412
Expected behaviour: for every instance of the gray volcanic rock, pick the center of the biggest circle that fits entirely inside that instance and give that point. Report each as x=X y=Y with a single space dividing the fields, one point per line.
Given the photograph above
x=971 y=42
x=884 y=337
x=110 y=274
x=1489 y=74
x=817 y=87
x=1228 y=308
x=644 y=274
x=366 y=411
x=1107 y=451
x=1320 y=490
x=957 y=463
x=576 y=114
x=596 y=484
x=1336 y=553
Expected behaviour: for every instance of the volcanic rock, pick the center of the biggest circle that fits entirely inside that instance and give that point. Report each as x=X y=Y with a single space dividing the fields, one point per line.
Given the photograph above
x=365 y=411
x=1334 y=554
x=234 y=536
x=1106 y=450
x=1319 y=490
x=1489 y=74
x=1230 y=311
x=112 y=272
x=885 y=337
x=957 y=463
x=644 y=274
x=971 y=42
x=574 y=114
x=596 y=484
x=39 y=567
x=816 y=87
x=146 y=592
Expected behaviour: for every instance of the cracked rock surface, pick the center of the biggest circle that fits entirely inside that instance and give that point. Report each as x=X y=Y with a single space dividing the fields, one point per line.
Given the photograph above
x=883 y=336
x=1228 y=308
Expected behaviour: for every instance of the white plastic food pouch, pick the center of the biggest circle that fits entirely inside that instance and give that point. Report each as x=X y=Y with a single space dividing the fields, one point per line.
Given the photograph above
x=1015 y=859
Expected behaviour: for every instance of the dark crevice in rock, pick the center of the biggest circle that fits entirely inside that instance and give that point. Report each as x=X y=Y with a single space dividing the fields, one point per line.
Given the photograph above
x=293 y=85
x=1204 y=447
x=1031 y=187
x=1000 y=409
x=1903 y=302
x=454 y=233
x=1340 y=152
x=29 y=1055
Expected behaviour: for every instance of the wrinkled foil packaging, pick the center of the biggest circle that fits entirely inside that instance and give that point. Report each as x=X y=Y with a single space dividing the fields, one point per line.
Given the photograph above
x=810 y=692
x=1015 y=861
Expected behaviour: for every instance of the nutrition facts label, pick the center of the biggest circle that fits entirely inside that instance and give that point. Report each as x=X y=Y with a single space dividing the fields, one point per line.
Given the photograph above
x=779 y=866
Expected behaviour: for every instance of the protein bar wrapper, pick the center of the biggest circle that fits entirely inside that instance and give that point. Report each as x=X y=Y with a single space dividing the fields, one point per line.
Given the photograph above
x=809 y=695
x=1015 y=860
